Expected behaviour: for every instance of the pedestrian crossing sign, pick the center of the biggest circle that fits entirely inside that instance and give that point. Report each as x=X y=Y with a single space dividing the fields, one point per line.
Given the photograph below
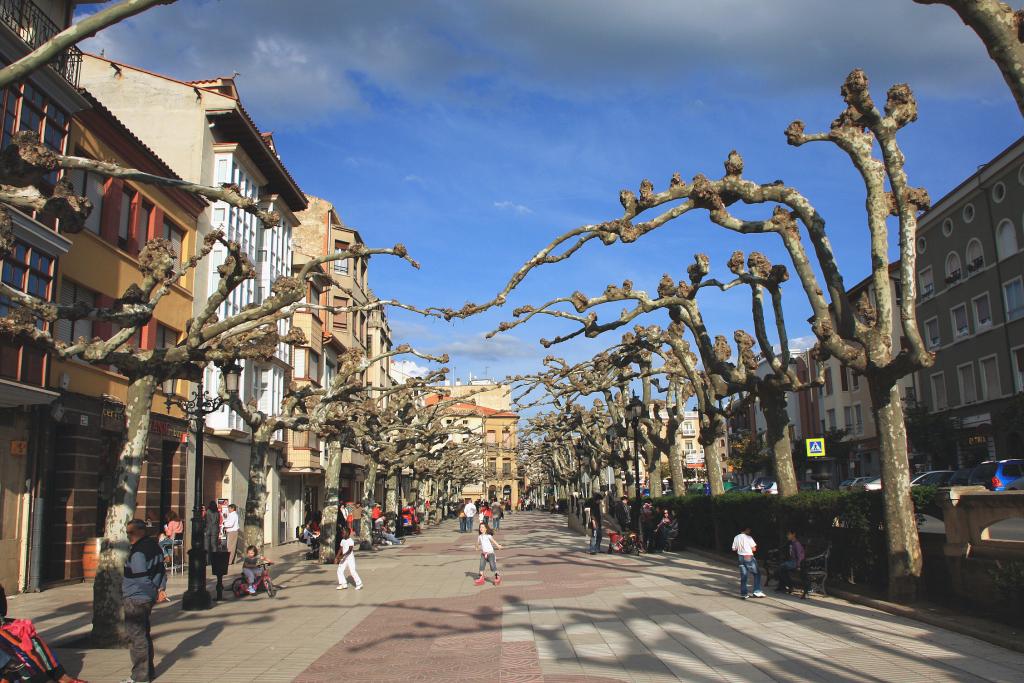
x=816 y=448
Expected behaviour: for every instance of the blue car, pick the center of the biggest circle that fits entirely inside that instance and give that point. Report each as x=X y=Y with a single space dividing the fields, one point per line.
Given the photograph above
x=996 y=475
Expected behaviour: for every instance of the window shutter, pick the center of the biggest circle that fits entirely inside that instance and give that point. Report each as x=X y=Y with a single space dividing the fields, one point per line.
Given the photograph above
x=83 y=328
x=65 y=297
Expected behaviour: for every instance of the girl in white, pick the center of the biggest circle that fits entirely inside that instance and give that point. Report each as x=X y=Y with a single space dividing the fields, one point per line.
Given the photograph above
x=346 y=559
x=486 y=544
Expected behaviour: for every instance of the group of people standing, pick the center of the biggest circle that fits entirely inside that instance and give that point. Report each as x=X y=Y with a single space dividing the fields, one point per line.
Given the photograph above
x=482 y=512
x=657 y=524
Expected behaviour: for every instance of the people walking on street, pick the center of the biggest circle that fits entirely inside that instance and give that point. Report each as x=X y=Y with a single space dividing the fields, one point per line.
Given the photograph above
x=595 y=524
x=497 y=512
x=486 y=544
x=145 y=580
x=745 y=547
x=469 y=516
x=794 y=558
x=231 y=527
x=346 y=561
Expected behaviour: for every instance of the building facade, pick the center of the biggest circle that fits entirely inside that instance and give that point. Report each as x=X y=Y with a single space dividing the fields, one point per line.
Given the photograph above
x=44 y=104
x=203 y=132
x=970 y=308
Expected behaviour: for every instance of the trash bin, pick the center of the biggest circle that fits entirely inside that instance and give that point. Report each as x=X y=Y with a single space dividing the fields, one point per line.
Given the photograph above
x=219 y=566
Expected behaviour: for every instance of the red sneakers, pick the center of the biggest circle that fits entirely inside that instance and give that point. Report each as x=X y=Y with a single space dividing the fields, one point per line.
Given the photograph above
x=479 y=581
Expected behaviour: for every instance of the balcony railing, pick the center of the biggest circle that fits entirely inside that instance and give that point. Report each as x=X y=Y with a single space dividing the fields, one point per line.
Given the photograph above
x=32 y=25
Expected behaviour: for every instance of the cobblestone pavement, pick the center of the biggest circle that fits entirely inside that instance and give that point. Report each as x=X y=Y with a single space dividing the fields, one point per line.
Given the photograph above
x=558 y=615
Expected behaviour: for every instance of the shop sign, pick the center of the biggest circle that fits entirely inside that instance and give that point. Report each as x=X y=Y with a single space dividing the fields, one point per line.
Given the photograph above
x=112 y=416
x=168 y=430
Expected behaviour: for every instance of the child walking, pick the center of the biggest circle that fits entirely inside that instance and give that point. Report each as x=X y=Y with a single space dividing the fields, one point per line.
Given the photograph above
x=486 y=544
x=346 y=559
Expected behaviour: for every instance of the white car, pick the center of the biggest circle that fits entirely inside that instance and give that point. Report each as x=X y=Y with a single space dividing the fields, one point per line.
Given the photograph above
x=872 y=484
x=854 y=484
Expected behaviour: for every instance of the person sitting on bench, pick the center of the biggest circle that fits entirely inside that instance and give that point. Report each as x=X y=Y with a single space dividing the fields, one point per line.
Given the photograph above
x=794 y=558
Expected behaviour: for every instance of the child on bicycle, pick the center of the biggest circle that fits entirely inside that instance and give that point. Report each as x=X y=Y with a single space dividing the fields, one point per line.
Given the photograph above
x=252 y=567
x=346 y=559
x=486 y=544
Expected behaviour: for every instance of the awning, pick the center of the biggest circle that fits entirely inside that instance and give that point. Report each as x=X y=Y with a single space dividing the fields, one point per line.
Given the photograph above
x=16 y=395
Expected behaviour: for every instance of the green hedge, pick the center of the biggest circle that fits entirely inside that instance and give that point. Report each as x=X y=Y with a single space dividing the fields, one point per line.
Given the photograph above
x=853 y=521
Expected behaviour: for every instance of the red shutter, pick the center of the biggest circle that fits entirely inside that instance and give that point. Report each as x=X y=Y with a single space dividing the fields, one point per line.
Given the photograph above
x=111 y=213
x=156 y=223
x=102 y=328
x=135 y=240
x=148 y=336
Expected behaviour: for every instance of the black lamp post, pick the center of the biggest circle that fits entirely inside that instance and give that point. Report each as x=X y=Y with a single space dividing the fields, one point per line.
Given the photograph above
x=635 y=409
x=196 y=409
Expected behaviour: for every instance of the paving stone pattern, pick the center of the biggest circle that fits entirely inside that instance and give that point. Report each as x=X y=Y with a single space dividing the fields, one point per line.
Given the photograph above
x=559 y=615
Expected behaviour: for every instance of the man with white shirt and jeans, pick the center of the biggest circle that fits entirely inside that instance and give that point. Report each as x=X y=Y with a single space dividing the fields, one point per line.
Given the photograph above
x=745 y=548
x=231 y=531
x=470 y=514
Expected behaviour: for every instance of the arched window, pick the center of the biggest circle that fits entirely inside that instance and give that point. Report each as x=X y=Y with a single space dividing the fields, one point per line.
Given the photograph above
x=975 y=256
x=953 y=272
x=1006 y=239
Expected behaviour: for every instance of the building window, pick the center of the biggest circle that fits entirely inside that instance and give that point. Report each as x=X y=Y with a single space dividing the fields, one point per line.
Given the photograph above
x=29 y=270
x=506 y=468
x=848 y=418
x=142 y=216
x=982 y=311
x=314 y=366
x=858 y=419
x=1018 y=368
x=922 y=245
x=341 y=316
x=1006 y=239
x=299 y=363
x=91 y=186
x=831 y=414
x=124 y=220
x=968 y=213
x=175 y=235
x=828 y=381
x=990 y=388
x=341 y=266
x=844 y=382
x=931 y=333
x=975 y=256
x=854 y=380
x=953 y=272
x=968 y=388
x=26 y=108
x=998 y=193
x=165 y=337
x=1013 y=297
x=938 y=391
x=961 y=328
x=71 y=294
x=947 y=227
x=927 y=282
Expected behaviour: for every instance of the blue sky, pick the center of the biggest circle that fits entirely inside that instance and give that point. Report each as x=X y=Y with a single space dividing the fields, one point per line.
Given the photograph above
x=476 y=132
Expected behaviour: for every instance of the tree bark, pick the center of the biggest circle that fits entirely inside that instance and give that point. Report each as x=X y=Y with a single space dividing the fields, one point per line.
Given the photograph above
x=901 y=535
x=675 y=465
x=712 y=458
x=108 y=615
x=329 y=524
x=256 y=498
x=369 y=483
x=773 y=406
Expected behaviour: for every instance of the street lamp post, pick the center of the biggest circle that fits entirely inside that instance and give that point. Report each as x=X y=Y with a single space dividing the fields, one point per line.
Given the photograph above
x=635 y=409
x=196 y=409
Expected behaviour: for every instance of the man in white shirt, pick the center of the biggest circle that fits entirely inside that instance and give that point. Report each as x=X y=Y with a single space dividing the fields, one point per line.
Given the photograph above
x=231 y=531
x=745 y=547
x=470 y=513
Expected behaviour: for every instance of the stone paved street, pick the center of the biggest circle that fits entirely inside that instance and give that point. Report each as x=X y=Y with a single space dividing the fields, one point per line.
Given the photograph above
x=559 y=615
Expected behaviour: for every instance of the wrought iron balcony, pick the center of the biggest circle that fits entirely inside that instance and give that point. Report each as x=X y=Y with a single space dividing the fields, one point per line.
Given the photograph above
x=31 y=24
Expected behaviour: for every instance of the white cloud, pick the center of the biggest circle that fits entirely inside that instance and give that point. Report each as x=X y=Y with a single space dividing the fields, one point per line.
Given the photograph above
x=403 y=369
x=479 y=347
x=506 y=205
x=413 y=178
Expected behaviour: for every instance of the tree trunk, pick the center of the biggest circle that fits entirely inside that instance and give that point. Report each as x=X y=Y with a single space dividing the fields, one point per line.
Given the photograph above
x=773 y=406
x=256 y=498
x=654 y=477
x=675 y=465
x=369 y=484
x=329 y=523
x=620 y=483
x=901 y=535
x=391 y=494
x=712 y=458
x=107 y=613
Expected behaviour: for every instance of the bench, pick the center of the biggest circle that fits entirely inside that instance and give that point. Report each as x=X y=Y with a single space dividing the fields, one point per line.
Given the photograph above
x=813 y=573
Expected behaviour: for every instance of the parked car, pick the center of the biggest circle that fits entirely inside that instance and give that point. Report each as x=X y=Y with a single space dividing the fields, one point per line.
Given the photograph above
x=844 y=485
x=812 y=486
x=1016 y=485
x=995 y=475
x=872 y=484
x=762 y=483
x=961 y=477
x=854 y=483
x=933 y=478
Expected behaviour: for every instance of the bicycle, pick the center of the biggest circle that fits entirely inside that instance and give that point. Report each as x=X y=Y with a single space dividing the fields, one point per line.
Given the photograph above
x=264 y=582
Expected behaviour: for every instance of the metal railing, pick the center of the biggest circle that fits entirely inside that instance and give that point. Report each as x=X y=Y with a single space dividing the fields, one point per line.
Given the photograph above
x=32 y=25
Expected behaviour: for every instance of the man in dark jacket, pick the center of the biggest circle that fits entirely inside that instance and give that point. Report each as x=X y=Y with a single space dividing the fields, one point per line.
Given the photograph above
x=145 y=581
x=622 y=514
x=595 y=524
x=794 y=558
